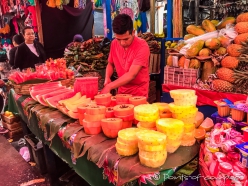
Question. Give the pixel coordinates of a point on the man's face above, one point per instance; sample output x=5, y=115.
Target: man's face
x=125, y=40
x=29, y=35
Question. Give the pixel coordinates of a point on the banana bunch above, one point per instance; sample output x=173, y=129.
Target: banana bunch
x=159, y=35
x=169, y=44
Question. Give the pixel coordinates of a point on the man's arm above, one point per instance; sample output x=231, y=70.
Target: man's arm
x=123, y=80
x=108, y=74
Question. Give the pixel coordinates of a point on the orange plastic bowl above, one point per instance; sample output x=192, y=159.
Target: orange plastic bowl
x=110, y=133
x=92, y=130
x=127, y=124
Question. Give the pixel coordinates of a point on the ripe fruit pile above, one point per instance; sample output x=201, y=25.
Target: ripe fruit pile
x=152, y=148
x=223, y=54
x=184, y=109
x=50, y=70
x=233, y=75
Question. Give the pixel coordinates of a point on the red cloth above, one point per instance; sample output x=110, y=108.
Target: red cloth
x=136, y=54
x=206, y=97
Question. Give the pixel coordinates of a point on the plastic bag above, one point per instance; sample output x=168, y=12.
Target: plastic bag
x=203, y=37
x=228, y=34
x=184, y=49
x=24, y=152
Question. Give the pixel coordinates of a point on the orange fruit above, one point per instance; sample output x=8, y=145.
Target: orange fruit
x=200, y=134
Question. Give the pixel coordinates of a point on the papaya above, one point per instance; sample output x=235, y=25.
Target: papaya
x=212, y=44
x=215, y=22
x=224, y=22
x=181, y=61
x=192, y=29
x=179, y=46
x=188, y=36
x=194, y=63
x=195, y=48
x=205, y=52
x=221, y=51
x=170, y=61
x=207, y=70
x=208, y=26
x=224, y=41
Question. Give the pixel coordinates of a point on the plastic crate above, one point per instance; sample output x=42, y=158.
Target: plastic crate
x=180, y=76
x=36, y=152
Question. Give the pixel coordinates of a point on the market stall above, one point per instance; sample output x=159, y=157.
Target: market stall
x=46, y=123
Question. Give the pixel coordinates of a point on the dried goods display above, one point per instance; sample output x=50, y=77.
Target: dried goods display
x=90, y=55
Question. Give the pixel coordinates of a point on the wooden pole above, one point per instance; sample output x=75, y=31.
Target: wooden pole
x=39, y=23
x=177, y=18
x=152, y=16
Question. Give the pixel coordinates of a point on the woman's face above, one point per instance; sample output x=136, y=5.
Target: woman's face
x=29, y=36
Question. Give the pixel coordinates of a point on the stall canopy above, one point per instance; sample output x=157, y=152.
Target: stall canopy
x=59, y=26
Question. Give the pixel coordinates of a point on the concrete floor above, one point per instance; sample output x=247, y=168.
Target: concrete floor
x=14, y=170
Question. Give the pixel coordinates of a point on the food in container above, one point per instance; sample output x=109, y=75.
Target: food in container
x=243, y=148
x=223, y=108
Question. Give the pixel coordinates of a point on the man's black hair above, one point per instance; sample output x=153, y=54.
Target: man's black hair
x=122, y=23
x=18, y=39
x=25, y=28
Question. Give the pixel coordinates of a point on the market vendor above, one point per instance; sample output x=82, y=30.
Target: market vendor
x=129, y=55
x=30, y=52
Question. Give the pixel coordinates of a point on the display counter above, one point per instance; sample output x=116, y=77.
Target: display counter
x=94, y=158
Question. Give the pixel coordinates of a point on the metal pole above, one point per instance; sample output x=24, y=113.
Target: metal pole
x=169, y=18
x=196, y=12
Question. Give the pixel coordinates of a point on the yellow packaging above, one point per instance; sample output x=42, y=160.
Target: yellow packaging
x=153, y=155
x=126, y=151
x=152, y=148
x=150, y=137
x=179, y=109
x=189, y=128
x=147, y=118
x=153, y=162
x=173, y=144
x=146, y=110
x=189, y=101
x=124, y=145
x=173, y=128
x=128, y=135
x=181, y=93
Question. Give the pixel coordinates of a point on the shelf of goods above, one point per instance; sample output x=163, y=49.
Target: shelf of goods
x=212, y=57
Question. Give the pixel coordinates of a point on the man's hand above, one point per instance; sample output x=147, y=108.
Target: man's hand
x=106, y=89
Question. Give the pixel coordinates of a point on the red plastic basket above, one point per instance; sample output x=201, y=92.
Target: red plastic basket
x=203, y=169
x=87, y=86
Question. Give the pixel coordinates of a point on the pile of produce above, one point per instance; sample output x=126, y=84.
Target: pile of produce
x=219, y=49
x=51, y=70
x=224, y=156
x=152, y=43
x=90, y=55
